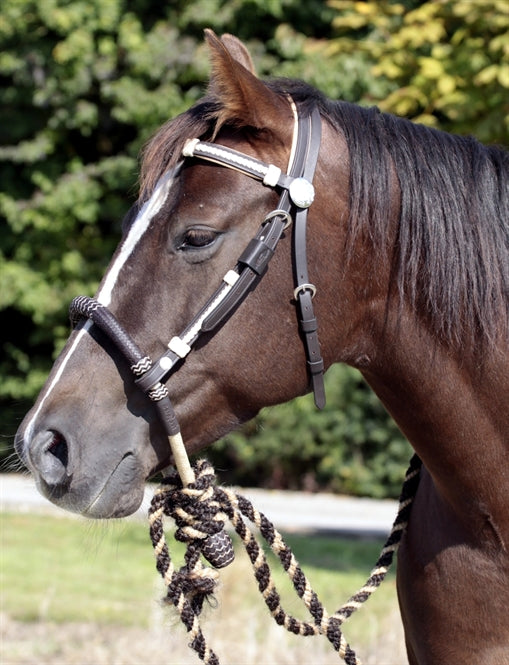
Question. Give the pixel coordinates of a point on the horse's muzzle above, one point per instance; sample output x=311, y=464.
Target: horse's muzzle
x=100, y=489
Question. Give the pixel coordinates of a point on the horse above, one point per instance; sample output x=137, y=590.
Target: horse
x=408, y=252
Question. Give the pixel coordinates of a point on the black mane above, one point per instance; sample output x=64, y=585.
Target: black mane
x=451, y=252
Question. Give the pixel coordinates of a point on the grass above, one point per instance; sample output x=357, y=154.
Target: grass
x=64, y=572
x=62, y=569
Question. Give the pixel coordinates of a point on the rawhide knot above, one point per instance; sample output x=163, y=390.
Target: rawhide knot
x=199, y=515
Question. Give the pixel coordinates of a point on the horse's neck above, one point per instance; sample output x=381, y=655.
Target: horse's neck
x=456, y=416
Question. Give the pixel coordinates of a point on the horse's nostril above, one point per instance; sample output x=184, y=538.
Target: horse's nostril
x=49, y=457
x=58, y=448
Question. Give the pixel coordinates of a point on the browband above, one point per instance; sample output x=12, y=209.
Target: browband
x=297, y=194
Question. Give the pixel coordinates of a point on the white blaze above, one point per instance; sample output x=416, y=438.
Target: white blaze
x=104, y=295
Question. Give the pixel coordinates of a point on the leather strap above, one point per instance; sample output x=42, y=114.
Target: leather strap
x=296, y=196
x=304, y=290
x=217, y=309
x=254, y=260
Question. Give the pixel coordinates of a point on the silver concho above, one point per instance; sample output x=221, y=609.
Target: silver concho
x=302, y=192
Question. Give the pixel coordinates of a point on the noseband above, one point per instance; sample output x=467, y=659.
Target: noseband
x=297, y=194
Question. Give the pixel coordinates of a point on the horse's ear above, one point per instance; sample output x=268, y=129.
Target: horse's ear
x=236, y=49
x=243, y=98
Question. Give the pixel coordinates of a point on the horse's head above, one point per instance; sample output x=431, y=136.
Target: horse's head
x=93, y=437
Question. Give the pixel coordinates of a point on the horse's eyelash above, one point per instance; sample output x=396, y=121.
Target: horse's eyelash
x=197, y=238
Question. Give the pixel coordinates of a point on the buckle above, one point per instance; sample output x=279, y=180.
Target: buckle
x=304, y=287
x=279, y=213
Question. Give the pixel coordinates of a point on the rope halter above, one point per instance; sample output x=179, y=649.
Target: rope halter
x=188, y=587
x=296, y=195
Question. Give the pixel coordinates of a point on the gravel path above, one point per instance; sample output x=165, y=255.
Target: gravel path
x=290, y=511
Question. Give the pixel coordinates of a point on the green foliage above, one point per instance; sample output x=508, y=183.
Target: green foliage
x=73, y=75
x=85, y=83
x=447, y=61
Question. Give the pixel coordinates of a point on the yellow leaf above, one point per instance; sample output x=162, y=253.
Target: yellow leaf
x=351, y=22
x=446, y=84
x=405, y=101
x=500, y=43
x=441, y=51
x=423, y=14
x=422, y=34
x=387, y=68
x=487, y=75
x=503, y=75
x=431, y=68
x=426, y=119
x=366, y=8
x=452, y=104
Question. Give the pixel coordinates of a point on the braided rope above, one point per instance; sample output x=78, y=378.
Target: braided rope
x=201, y=509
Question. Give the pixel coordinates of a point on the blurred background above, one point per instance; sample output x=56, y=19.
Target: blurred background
x=84, y=84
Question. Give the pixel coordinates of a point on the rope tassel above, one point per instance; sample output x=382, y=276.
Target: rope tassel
x=201, y=509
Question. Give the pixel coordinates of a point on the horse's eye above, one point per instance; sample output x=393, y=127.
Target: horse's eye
x=198, y=238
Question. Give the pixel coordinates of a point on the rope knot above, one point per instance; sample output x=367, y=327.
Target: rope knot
x=195, y=584
x=200, y=509
x=198, y=514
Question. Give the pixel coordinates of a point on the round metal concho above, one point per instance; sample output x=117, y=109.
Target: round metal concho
x=302, y=192
x=165, y=363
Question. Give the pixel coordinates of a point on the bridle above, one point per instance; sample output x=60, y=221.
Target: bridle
x=199, y=509
x=297, y=194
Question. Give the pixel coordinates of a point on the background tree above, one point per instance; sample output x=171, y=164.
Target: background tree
x=85, y=83
x=447, y=61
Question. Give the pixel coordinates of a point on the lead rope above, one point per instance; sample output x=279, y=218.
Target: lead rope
x=201, y=508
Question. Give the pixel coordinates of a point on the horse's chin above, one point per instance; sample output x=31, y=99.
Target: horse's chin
x=119, y=495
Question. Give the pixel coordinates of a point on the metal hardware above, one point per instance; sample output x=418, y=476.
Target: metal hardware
x=304, y=287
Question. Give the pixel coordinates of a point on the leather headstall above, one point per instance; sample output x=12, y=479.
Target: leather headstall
x=297, y=194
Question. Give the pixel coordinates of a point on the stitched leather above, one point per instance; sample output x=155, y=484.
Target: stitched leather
x=251, y=266
x=307, y=320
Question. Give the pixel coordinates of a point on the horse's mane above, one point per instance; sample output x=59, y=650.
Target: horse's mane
x=451, y=251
